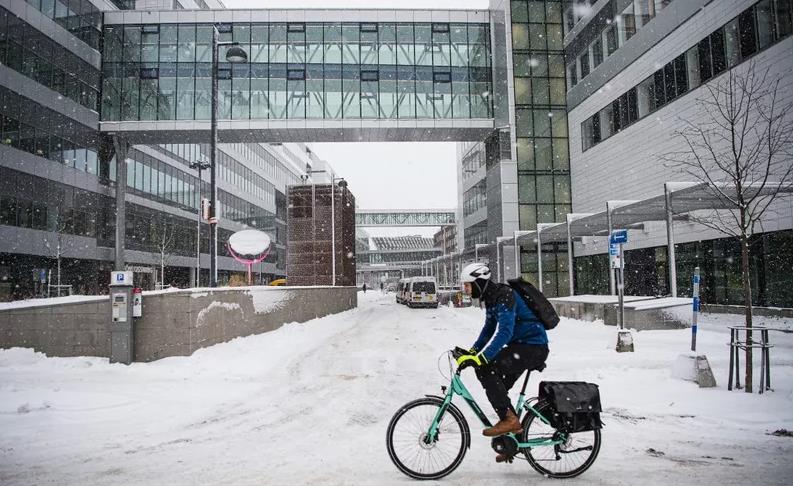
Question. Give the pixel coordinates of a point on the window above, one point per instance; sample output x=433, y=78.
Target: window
x=645, y=97
x=703, y=55
x=748, y=39
x=718, y=56
x=627, y=24
x=597, y=52
x=584, y=63
x=645, y=11
x=765, y=24
x=572, y=79
x=611, y=39
x=784, y=18
x=732, y=45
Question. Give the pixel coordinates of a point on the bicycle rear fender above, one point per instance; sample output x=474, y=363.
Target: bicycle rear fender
x=453, y=407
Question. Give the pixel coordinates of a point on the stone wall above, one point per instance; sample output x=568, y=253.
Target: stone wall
x=173, y=324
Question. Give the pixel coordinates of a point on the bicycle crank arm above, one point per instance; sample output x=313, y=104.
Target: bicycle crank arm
x=587, y=448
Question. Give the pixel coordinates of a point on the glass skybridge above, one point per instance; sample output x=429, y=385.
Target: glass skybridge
x=341, y=74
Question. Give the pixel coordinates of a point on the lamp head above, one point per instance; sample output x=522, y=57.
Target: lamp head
x=236, y=54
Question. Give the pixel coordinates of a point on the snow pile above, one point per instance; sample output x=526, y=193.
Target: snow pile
x=69, y=299
x=269, y=299
x=308, y=404
x=214, y=305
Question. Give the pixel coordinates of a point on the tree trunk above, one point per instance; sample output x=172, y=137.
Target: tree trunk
x=162, y=269
x=747, y=298
x=59, y=269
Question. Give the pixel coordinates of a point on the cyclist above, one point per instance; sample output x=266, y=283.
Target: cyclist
x=512, y=341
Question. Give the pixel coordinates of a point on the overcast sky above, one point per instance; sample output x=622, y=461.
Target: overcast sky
x=388, y=175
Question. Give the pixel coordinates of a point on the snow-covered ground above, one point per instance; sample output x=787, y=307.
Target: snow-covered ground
x=309, y=404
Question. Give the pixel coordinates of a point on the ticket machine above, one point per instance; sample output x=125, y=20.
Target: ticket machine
x=122, y=339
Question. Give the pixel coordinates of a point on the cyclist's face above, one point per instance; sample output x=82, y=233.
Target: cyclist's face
x=467, y=288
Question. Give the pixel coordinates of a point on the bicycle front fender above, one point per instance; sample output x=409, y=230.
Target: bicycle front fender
x=452, y=408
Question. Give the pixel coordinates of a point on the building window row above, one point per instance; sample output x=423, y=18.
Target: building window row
x=475, y=198
x=324, y=71
x=476, y=234
x=32, y=128
x=80, y=17
x=537, y=32
x=575, y=11
x=636, y=15
x=473, y=160
x=539, y=79
x=754, y=30
x=32, y=54
x=533, y=213
x=30, y=202
x=408, y=44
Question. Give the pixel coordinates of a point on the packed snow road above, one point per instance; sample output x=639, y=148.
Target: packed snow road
x=309, y=404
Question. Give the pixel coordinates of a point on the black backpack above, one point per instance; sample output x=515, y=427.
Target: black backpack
x=536, y=301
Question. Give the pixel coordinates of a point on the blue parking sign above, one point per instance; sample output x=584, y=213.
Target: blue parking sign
x=618, y=236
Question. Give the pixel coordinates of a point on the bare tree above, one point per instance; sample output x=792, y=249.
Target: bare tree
x=163, y=234
x=55, y=240
x=740, y=144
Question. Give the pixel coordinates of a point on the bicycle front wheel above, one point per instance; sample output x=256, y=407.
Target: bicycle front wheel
x=565, y=460
x=418, y=456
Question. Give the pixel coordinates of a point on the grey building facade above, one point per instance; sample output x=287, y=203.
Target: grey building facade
x=635, y=72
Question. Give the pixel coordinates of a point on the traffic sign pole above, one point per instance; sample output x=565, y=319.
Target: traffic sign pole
x=696, y=303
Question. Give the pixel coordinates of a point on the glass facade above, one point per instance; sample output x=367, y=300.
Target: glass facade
x=719, y=260
x=541, y=129
x=33, y=54
x=754, y=30
x=635, y=15
x=299, y=71
x=32, y=128
x=80, y=17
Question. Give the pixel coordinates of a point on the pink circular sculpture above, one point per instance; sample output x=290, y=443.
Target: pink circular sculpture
x=249, y=247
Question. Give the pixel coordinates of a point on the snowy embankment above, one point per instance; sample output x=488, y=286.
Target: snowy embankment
x=309, y=404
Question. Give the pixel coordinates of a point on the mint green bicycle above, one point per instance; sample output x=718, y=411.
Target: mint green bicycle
x=428, y=438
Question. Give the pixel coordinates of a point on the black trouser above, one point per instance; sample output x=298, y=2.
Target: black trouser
x=498, y=376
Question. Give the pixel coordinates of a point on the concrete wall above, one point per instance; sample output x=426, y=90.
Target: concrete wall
x=173, y=323
x=641, y=313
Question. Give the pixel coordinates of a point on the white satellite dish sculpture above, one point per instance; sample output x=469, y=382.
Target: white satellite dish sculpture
x=249, y=247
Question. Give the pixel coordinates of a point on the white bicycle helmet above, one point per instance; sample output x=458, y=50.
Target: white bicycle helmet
x=474, y=271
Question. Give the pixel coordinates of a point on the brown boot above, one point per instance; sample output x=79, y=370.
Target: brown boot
x=503, y=458
x=508, y=424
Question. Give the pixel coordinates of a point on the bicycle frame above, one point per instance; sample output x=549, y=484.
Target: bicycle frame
x=458, y=388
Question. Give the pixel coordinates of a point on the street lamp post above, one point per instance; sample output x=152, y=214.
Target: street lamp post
x=499, y=257
x=342, y=184
x=515, y=235
x=199, y=165
x=476, y=250
x=234, y=54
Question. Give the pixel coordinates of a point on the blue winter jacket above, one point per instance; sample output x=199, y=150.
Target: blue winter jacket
x=510, y=319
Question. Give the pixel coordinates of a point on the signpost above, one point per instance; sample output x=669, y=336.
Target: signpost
x=695, y=309
x=616, y=239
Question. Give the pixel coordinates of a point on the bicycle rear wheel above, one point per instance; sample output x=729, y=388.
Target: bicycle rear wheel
x=408, y=448
x=566, y=460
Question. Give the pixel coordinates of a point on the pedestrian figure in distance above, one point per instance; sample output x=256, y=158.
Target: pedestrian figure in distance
x=381, y=287
x=364, y=288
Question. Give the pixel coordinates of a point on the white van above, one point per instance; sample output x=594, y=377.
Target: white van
x=422, y=292
x=402, y=286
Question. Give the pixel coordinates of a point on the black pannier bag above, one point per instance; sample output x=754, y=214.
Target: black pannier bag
x=536, y=301
x=574, y=405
